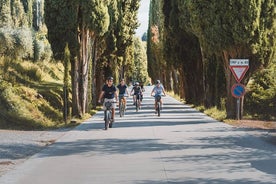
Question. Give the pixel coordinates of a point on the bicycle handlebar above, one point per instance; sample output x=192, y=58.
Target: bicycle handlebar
x=158, y=95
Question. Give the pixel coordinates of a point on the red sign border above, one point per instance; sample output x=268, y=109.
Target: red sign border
x=232, y=90
x=234, y=73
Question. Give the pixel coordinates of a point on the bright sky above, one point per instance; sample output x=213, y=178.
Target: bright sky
x=143, y=17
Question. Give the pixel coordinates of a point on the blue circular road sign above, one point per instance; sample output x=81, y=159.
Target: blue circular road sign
x=238, y=90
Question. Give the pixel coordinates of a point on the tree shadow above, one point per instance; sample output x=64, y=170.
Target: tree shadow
x=235, y=160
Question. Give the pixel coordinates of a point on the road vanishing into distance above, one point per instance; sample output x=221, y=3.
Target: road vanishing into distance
x=182, y=146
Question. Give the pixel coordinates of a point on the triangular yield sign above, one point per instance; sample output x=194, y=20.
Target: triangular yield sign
x=239, y=71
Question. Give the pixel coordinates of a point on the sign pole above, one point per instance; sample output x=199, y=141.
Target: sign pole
x=238, y=108
x=238, y=67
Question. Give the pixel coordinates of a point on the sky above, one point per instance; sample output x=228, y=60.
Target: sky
x=143, y=17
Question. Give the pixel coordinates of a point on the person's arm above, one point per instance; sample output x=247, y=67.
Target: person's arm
x=100, y=97
x=116, y=95
x=152, y=92
x=132, y=90
x=127, y=91
x=163, y=91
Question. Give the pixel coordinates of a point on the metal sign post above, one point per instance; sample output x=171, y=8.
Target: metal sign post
x=238, y=91
x=238, y=67
x=238, y=108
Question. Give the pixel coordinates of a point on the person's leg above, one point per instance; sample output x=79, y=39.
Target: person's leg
x=113, y=114
x=124, y=101
x=120, y=99
x=139, y=101
x=134, y=96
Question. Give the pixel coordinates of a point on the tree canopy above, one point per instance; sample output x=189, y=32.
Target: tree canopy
x=202, y=36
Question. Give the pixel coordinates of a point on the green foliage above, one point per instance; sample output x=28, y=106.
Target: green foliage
x=21, y=72
x=199, y=37
x=20, y=108
x=215, y=113
x=17, y=31
x=260, y=100
x=140, y=62
x=220, y=25
x=95, y=15
x=42, y=48
x=30, y=98
x=5, y=15
x=155, y=41
x=16, y=43
x=19, y=17
x=66, y=82
x=61, y=18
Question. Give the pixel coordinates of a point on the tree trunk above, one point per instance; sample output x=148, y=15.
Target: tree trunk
x=182, y=84
x=84, y=70
x=175, y=81
x=94, y=67
x=76, y=108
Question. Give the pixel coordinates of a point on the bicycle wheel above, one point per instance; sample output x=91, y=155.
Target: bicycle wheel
x=106, y=119
x=137, y=105
x=121, y=108
x=158, y=108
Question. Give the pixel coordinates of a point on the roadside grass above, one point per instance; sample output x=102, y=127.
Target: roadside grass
x=213, y=112
x=31, y=95
x=248, y=121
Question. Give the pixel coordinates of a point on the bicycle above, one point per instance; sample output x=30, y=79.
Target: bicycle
x=158, y=105
x=108, y=123
x=137, y=102
x=122, y=105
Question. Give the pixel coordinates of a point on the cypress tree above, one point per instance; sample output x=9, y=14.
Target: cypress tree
x=78, y=23
x=234, y=29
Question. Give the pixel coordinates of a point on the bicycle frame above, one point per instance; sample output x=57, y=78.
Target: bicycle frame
x=137, y=102
x=122, y=105
x=107, y=115
x=158, y=99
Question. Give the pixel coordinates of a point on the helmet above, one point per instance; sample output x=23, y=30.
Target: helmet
x=136, y=83
x=158, y=82
x=110, y=78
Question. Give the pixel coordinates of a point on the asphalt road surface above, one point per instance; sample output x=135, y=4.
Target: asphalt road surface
x=182, y=146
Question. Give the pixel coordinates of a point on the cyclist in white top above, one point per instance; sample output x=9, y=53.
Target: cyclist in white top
x=158, y=90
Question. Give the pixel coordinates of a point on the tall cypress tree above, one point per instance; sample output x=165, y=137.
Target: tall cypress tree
x=127, y=24
x=235, y=29
x=76, y=23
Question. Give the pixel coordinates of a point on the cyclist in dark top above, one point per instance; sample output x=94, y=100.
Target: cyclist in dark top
x=137, y=93
x=109, y=93
x=123, y=91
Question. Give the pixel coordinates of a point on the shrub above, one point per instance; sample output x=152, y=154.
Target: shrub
x=260, y=100
x=16, y=43
x=42, y=49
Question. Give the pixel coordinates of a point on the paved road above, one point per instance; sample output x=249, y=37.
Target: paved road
x=183, y=146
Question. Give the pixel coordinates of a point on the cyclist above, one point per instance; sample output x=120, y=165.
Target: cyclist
x=158, y=90
x=122, y=91
x=109, y=93
x=137, y=92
